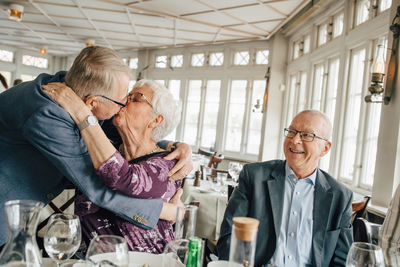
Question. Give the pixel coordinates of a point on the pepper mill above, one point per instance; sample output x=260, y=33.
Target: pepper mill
x=197, y=176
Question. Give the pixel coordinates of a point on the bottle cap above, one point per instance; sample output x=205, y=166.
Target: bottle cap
x=245, y=228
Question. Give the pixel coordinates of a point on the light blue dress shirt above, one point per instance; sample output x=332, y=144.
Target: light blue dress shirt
x=293, y=246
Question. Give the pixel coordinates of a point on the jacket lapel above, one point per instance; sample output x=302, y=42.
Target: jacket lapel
x=276, y=188
x=322, y=207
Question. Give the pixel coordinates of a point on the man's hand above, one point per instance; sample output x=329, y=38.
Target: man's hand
x=183, y=153
x=169, y=209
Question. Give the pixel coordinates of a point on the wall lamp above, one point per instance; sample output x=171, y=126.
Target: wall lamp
x=378, y=93
x=15, y=12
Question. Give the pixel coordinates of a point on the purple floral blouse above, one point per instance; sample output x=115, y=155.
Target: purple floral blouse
x=143, y=177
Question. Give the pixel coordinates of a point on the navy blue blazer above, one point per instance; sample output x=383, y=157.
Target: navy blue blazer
x=260, y=195
x=41, y=152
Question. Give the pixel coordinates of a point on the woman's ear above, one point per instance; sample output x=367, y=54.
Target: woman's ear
x=156, y=121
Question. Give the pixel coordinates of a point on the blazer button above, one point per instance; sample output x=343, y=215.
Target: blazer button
x=50, y=196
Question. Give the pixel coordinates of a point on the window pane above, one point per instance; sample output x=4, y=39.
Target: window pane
x=302, y=98
x=237, y=103
x=322, y=34
x=174, y=87
x=160, y=82
x=216, y=59
x=6, y=56
x=353, y=104
x=192, y=112
x=242, y=58
x=161, y=62
x=209, y=131
x=338, y=25
x=26, y=77
x=362, y=11
x=177, y=61
x=197, y=60
x=254, y=134
x=133, y=63
x=292, y=93
x=7, y=75
x=318, y=86
x=384, y=4
x=306, y=48
x=262, y=57
x=38, y=62
x=296, y=50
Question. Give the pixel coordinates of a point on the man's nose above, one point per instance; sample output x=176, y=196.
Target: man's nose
x=297, y=138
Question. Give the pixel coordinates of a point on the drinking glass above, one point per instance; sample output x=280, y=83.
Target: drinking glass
x=365, y=254
x=62, y=237
x=108, y=250
x=185, y=224
x=234, y=169
x=175, y=252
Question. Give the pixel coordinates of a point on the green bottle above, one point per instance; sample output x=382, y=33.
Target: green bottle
x=195, y=254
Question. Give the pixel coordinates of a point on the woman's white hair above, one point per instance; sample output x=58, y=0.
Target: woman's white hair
x=163, y=103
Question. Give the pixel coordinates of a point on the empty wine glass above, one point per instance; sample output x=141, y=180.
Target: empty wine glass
x=108, y=250
x=62, y=237
x=365, y=254
x=176, y=252
x=234, y=169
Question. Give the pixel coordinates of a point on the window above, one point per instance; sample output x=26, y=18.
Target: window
x=236, y=111
x=161, y=62
x=161, y=82
x=6, y=56
x=27, y=77
x=254, y=132
x=354, y=96
x=133, y=63
x=210, y=111
x=193, y=112
x=177, y=61
x=338, y=25
x=175, y=88
x=307, y=42
x=7, y=75
x=292, y=94
x=362, y=11
x=38, y=62
x=198, y=60
x=384, y=4
x=296, y=50
x=242, y=58
x=262, y=57
x=318, y=86
x=216, y=59
x=302, y=99
x=322, y=34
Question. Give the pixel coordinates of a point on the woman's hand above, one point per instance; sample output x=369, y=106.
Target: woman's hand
x=67, y=99
x=183, y=153
x=169, y=209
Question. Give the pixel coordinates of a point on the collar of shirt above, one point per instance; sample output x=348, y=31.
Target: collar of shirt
x=289, y=174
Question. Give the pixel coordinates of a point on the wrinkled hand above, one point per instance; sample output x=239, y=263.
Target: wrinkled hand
x=171, y=207
x=183, y=153
x=65, y=97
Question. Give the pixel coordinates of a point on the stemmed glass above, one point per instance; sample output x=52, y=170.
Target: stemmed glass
x=62, y=237
x=234, y=169
x=365, y=254
x=108, y=250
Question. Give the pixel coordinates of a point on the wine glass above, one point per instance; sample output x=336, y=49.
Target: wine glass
x=108, y=250
x=62, y=237
x=175, y=252
x=365, y=254
x=234, y=169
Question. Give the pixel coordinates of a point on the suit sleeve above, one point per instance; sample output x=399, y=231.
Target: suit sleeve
x=238, y=205
x=345, y=238
x=55, y=135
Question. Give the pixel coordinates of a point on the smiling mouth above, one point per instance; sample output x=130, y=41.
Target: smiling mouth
x=296, y=152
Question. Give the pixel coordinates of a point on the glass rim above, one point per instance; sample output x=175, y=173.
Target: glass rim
x=65, y=215
x=189, y=207
x=366, y=246
x=25, y=202
x=100, y=237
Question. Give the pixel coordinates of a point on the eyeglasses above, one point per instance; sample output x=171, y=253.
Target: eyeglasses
x=109, y=99
x=138, y=97
x=306, y=137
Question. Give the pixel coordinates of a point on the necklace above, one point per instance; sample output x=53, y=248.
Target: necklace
x=155, y=150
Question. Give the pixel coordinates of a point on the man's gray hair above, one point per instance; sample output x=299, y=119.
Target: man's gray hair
x=163, y=103
x=327, y=125
x=96, y=71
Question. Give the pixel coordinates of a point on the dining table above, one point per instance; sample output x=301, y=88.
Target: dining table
x=212, y=200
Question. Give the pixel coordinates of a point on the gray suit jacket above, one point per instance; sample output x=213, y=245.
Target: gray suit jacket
x=41, y=152
x=260, y=195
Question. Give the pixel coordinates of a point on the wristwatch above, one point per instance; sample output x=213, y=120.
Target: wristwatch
x=90, y=120
x=173, y=147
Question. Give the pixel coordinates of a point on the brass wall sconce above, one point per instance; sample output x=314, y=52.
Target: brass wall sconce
x=15, y=12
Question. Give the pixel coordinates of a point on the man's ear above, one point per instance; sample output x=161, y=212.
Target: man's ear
x=156, y=121
x=91, y=102
x=327, y=147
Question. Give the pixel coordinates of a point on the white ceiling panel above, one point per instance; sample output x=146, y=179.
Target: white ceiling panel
x=229, y=4
x=255, y=13
x=215, y=18
x=173, y=6
x=286, y=6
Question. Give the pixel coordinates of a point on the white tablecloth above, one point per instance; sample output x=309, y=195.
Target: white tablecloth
x=211, y=210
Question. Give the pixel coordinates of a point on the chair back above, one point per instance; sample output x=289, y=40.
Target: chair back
x=365, y=231
x=360, y=208
x=215, y=160
x=205, y=152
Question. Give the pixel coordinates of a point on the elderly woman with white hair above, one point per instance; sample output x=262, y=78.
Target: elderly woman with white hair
x=138, y=169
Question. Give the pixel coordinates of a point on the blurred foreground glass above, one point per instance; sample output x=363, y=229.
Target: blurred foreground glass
x=185, y=224
x=62, y=237
x=365, y=254
x=223, y=264
x=21, y=248
x=176, y=253
x=108, y=251
x=234, y=169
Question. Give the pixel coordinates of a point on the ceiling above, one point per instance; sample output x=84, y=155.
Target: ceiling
x=65, y=25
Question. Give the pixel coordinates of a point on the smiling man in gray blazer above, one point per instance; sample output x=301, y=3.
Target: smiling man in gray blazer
x=304, y=213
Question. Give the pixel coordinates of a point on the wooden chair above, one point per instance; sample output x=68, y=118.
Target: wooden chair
x=215, y=160
x=365, y=231
x=360, y=208
x=205, y=152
